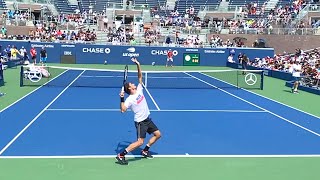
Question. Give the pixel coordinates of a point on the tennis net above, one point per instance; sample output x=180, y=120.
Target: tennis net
x=105, y=78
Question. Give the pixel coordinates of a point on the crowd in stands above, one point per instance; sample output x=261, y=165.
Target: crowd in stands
x=185, y=23
x=17, y=18
x=309, y=61
x=263, y=22
x=118, y=36
x=45, y=34
x=291, y=10
x=253, y=20
x=216, y=41
x=50, y=30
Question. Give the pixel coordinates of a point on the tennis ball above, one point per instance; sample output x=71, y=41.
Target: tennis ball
x=105, y=62
x=153, y=63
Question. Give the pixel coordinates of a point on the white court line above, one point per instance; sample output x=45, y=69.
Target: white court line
x=262, y=96
x=166, y=110
x=298, y=125
x=35, y=118
x=154, y=102
x=152, y=77
x=163, y=156
x=32, y=92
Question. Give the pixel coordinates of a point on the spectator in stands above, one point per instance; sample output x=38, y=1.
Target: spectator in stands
x=255, y=44
x=133, y=42
x=168, y=40
x=191, y=12
x=105, y=23
x=216, y=41
x=3, y=31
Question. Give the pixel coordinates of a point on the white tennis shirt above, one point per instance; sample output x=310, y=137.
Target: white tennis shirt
x=138, y=104
x=296, y=70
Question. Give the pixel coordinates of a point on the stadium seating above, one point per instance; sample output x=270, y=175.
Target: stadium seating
x=3, y=4
x=234, y=3
x=144, y=2
x=164, y=11
x=63, y=6
x=97, y=5
x=284, y=2
x=182, y=5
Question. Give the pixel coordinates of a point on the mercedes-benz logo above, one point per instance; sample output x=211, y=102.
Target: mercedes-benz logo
x=34, y=75
x=250, y=79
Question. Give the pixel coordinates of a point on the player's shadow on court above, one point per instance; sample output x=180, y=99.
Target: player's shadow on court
x=288, y=91
x=137, y=152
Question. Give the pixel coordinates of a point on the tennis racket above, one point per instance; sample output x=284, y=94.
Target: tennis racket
x=125, y=76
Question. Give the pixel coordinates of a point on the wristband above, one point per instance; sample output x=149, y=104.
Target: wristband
x=122, y=99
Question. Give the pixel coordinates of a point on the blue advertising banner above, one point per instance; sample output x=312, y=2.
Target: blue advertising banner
x=113, y=54
x=53, y=50
x=67, y=50
x=98, y=54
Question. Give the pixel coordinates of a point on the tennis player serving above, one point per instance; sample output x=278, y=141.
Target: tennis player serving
x=136, y=101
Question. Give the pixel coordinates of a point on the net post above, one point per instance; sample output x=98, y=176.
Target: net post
x=262, y=79
x=48, y=79
x=21, y=76
x=145, y=79
x=237, y=79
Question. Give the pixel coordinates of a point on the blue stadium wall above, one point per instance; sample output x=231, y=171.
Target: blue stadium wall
x=98, y=54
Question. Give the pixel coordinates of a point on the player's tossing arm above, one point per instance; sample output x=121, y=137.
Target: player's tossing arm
x=123, y=108
x=139, y=69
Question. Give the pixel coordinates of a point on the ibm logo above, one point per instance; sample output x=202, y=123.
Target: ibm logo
x=67, y=53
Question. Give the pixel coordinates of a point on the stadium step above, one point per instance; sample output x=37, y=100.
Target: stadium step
x=271, y=4
x=223, y=5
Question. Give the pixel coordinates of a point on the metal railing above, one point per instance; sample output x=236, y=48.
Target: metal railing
x=277, y=31
x=33, y=1
x=303, y=12
x=314, y=8
x=121, y=6
x=210, y=8
x=234, y=8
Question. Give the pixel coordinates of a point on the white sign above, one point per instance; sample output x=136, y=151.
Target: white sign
x=96, y=50
x=67, y=53
x=214, y=51
x=33, y=75
x=131, y=53
x=42, y=45
x=250, y=79
x=163, y=52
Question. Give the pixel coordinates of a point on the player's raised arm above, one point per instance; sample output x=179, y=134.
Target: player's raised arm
x=139, y=69
x=123, y=108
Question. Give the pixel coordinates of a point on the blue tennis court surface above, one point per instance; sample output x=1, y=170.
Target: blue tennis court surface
x=78, y=121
